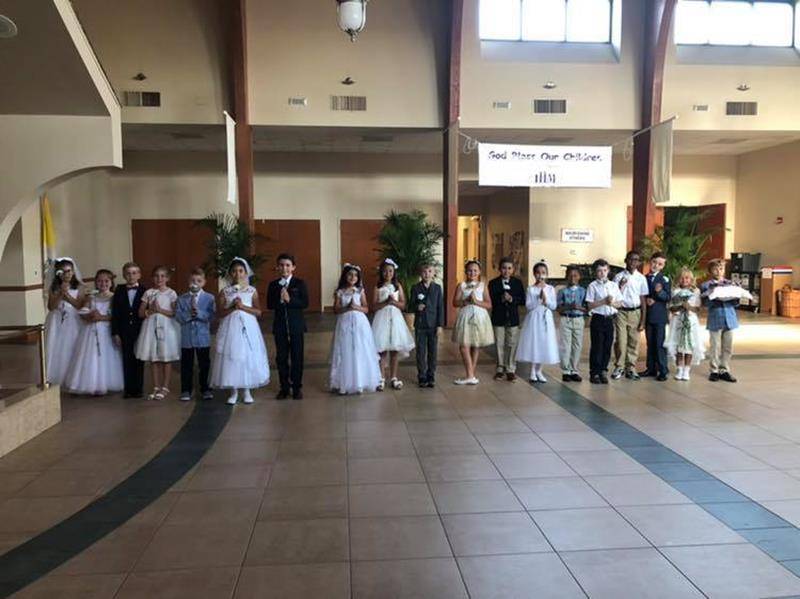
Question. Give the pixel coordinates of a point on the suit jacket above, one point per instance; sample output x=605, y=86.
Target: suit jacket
x=432, y=297
x=291, y=313
x=658, y=313
x=195, y=331
x=125, y=320
x=506, y=314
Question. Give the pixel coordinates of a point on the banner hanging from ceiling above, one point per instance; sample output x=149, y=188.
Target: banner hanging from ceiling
x=503, y=165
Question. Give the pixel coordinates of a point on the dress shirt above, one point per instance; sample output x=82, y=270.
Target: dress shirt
x=634, y=289
x=568, y=296
x=600, y=290
x=132, y=293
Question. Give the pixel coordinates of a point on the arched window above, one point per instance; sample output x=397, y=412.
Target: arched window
x=546, y=20
x=735, y=23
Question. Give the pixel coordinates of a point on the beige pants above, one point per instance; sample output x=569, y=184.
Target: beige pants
x=719, y=357
x=505, y=340
x=626, y=341
x=571, y=331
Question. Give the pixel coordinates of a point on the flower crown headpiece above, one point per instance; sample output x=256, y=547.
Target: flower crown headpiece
x=352, y=266
x=473, y=261
x=390, y=262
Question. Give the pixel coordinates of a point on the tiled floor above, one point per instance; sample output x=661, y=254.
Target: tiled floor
x=494, y=491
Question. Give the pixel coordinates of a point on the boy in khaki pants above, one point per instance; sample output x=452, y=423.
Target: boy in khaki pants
x=630, y=319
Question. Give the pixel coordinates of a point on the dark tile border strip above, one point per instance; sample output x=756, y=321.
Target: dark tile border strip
x=769, y=532
x=30, y=561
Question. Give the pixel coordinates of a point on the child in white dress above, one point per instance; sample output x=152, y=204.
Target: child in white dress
x=97, y=369
x=538, y=342
x=473, y=328
x=160, y=339
x=393, y=340
x=240, y=359
x=355, y=365
x=684, y=343
x=63, y=324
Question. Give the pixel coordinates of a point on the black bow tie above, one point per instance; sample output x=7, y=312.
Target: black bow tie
x=133, y=286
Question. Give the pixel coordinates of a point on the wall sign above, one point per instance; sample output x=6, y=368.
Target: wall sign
x=577, y=235
x=544, y=166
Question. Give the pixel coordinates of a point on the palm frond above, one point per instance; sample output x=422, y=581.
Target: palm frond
x=411, y=240
x=230, y=238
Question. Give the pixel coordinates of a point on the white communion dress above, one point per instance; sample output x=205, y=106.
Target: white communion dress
x=685, y=334
x=61, y=328
x=240, y=358
x=473, y=326
x=160, y=338
x=354, y=358
x=97, y=368
x=389, y=327
x=538, y=341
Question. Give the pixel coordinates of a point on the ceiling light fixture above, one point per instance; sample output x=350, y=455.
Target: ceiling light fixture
x=8, y=28
x=743, y=87
x=139, y=77
x=352, y=16
x=550, y=85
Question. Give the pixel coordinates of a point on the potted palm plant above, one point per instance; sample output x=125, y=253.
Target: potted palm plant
x=230, y=238
x=411, y=240
x=681, y=243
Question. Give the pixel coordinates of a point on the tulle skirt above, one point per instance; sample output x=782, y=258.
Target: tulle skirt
x=97, y=368
x=240, y=358
x=391, y=332
x=354, y=357
x=473, y=327
x=538, y=341
x=61, y=335
x=159, y=340
x=685, y=336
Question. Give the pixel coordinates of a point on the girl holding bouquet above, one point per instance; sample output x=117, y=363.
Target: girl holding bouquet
x=684, y=343
x=97, y=369
x=538, y=343
x=240, y=360
x=473, y=328
x=392, y=337
x=160, y=340
x=61, y=328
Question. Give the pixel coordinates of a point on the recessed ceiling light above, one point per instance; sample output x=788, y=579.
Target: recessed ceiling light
x=7, y=27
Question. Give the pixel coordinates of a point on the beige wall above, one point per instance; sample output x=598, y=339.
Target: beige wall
x=178, y=44
x=296, y=49
x=599, y=96
x=21, y=266
x=769, y=187
x=93, y=212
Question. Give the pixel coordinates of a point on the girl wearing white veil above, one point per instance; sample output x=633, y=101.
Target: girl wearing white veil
x=240, y=358
x=66, y=295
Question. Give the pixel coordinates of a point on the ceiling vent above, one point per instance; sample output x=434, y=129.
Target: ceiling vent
x=550, y=106
x=700, y=107
x=145, y=99
x=298, y=101
x=554, y=141
x=349, y=103
x=501, y=105
x=741, y=108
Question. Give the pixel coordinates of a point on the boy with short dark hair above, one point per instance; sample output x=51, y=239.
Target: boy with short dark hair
x=602, y=299
x=507, y=295
x=126, y=325
x=426, y=302
x=194, y=312
x=287, y=296
x=570, y=304
x=659, y=295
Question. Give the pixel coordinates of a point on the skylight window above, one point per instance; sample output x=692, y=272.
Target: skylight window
x=546, y=20
x=735, y=23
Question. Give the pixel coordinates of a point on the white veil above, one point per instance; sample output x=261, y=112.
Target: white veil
x=52, y=271
x=247, y=268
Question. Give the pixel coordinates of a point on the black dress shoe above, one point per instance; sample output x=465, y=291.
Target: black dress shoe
x=603, y=379
x=594, y=379
x=727, y=376
x=661, y=377
x=713, y=377
x=567, y=378
x=282, y=394
x=646, y=373
x=576, y=378
x=431, y=384
x=297, y=394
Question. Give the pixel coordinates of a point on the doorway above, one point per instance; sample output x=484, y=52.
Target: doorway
x=471, y=241
x=359, y=245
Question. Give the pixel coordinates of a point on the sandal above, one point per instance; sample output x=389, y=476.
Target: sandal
x=152, y=396
x=396, y=384
x=381, y=386
x=161, y=394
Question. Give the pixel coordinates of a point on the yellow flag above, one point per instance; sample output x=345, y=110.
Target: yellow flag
x=48, y=231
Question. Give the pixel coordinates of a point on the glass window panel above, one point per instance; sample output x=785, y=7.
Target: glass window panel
x=692, y=22
x=499, y=19
x=730, y=23
x=544, y=20
x=771, y=24
x=588, y=21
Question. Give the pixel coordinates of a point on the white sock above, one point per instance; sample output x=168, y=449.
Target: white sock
x=686, y=370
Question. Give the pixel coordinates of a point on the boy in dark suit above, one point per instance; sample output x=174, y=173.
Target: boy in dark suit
x=507, y=295
x=660, y=293
x=426, y=301
x=125, y=327
x=288, y=297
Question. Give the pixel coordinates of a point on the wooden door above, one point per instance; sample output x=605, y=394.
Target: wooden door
x=179, y=244
x=359, y=243
x=301, y=238
x=712, y=221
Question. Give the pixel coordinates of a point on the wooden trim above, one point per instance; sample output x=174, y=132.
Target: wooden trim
x=658, y=21
x=21, y=288
x=450, y=159
x=241, y=108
